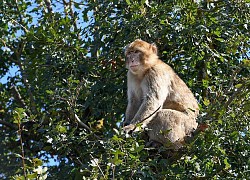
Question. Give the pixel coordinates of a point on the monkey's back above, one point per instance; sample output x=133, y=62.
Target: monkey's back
x=180, y=97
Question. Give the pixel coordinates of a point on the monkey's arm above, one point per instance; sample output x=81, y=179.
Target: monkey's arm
x=132, y=108
x=130, y=113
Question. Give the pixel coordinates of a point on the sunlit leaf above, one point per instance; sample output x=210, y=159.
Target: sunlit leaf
x=238, y=85
x=206, y=101
x=128, y=2
x=227, y=165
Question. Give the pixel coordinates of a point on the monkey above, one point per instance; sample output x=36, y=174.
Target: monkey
x=158, y=99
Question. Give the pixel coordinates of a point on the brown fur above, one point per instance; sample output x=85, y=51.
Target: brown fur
x=153, y=84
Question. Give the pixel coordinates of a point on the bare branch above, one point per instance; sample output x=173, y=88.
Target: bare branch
x=96, y=163
x=48, y=5
x=82, y=124
x=17, y=96
x=20, y=129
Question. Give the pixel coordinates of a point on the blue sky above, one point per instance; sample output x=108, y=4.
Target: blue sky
x=57, y=8
x=12, y=71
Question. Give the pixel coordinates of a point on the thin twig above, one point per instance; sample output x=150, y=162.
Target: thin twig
x=82, y=124
x=22, y=149
x=113, y=169
x=96, y=163
x=18, y=96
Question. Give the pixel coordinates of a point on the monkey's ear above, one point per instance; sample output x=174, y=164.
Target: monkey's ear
x=154, y=48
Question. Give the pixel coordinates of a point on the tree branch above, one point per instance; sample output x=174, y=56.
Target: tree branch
x=17, y=96
x=82, y=124
x=229, y=101
x=10, y=125
x=48, y=5
x=24, y=77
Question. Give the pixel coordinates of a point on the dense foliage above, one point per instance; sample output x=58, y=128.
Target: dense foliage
x=65, y=95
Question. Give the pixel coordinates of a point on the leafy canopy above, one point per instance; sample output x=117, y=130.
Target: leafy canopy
x=65, y=94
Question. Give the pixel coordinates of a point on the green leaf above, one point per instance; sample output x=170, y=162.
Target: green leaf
x=220, y=39
x=246, y=62
x=132, y=156
x=238, y=85
x=61, y=129
x=116, y=161
x=19, y=114
x=20, y=178
x=227, y=165
x=222, y=151
x=50, y=92
x=140, y=148
x=128, y=2
x=37, y=162
x=116, y=138
x=205, y=83
x=246, y=107
x=233, y=115
x=206, y=101
x=32, y=176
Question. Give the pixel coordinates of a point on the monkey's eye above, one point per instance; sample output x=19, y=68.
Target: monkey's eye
x=137, y=51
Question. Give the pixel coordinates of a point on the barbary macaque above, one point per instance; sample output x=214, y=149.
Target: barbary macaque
x=157, y=98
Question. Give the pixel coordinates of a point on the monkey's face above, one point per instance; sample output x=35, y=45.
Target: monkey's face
x=133, y=61
x=140, y=56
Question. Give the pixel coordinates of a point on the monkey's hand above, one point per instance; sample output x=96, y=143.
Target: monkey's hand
x=129, y=128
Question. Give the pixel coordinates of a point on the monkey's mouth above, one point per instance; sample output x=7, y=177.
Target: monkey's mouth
x=134, y=66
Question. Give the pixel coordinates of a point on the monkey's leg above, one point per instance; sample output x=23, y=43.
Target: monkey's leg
x=169, y=127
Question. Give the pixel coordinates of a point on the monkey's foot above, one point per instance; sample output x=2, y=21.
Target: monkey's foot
x=129, y=128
